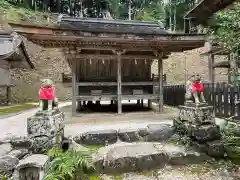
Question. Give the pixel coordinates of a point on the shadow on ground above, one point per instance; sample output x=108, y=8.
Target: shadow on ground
x=107, y=108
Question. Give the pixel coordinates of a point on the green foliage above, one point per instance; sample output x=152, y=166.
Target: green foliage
x=224, y=27
x=175, y=10
x=231, y=140
x=17, y=13
x=4, y=176
x=152, y=12
x=69, y=165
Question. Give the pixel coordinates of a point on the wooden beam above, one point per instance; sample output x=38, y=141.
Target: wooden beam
x=163, y=39
x=119, y=82
x=146, y=83
x=115, y=97
x=160, y=83
x=110, y=46
x=211, y=67
x=74, y=93
x=110, y=56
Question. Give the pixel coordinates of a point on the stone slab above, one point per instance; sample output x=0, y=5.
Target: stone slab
x=129, y=135
x=215, y=148
x=159, y=132
x=5, y=149
x=18, y=141
x=212, y=148
x=203, y=133
x=101, y=137
x=19, y=153
x=35, y=160
x=197, y=115
x=125, y=157
x=8, y=163
x=180, y=155
x=200, y=133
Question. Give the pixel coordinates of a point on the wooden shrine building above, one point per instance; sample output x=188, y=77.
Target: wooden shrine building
x=202, y=11
x=111, y=59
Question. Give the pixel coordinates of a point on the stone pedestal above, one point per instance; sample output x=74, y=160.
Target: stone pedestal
x=46, y=128
x=197, y=114
x=198, y=122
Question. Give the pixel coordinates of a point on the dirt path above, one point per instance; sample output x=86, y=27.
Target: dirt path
x=17, y=125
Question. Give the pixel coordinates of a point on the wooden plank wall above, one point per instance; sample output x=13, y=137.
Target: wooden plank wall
x=106, y=70
x=225, y=98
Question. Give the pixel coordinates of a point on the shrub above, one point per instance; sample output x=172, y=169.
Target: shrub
x=69, y=165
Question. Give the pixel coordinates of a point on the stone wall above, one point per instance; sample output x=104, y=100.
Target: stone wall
x=174, y=66
x=49, y=63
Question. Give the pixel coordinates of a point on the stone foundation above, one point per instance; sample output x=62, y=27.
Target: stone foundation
x=198, y=123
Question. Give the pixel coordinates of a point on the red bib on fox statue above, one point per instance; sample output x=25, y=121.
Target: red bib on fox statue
x=46, y=93
x=197, y=87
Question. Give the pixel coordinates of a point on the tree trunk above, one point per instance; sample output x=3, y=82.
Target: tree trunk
x=170, y=18
x=175, y=19
x=129, y=10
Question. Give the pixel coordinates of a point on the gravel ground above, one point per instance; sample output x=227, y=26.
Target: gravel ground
x=221, y=170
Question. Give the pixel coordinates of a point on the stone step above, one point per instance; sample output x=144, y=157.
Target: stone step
x=149, y=133
x=126, y=157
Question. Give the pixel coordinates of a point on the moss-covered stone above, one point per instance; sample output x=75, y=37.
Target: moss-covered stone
x=231, y=141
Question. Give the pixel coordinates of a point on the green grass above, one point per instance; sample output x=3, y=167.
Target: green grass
x=93, y=147
x=95, y=178
x=16, y=109
x=23, y=15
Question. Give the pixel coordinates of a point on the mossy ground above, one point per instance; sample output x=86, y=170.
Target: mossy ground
x=16, y=108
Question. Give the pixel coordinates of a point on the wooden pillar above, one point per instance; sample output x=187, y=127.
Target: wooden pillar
x=79, y=105
x=8, y=95
x=119, y=82
x=138, y=102
x=74, y=92
x=211, y=72
x=98, y=103
x=160, y=83
x=150, y=104
x=141, y=103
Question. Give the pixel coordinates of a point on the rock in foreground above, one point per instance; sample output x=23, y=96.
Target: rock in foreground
x=126, y=157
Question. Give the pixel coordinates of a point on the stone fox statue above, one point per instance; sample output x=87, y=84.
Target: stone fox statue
x=194, y=88
x=47, y=95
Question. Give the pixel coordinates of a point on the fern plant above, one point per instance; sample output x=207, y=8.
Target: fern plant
x=69, y=165
x=4, y=176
